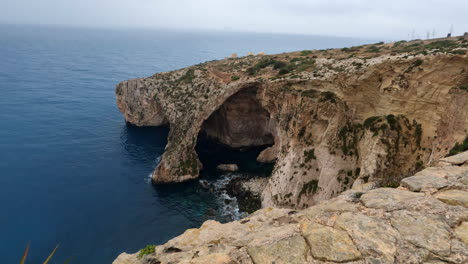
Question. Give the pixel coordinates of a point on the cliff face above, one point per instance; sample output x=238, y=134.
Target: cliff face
x=425, y=220
x=334, y=118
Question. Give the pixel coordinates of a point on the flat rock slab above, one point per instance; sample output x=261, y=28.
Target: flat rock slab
x=289, y=250
x=453, y=197
x=457, y=159
x=418, y=183
x=426, y=231
x=371, y=235
x=462, y=232
x=330, y=244
x=389, y=199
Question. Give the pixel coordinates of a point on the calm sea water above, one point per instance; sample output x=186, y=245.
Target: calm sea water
x=71, y=171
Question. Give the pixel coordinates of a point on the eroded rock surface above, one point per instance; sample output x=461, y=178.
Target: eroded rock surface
x=361, y=225
x=334, y=120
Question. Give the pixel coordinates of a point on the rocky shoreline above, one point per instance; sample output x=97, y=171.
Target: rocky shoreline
x=425, y=220
x=337, y=124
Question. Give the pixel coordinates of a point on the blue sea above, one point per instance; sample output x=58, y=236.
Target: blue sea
x=72, y=172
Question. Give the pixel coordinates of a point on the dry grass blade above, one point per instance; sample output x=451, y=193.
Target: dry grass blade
x=25, y=254
x=51, y=255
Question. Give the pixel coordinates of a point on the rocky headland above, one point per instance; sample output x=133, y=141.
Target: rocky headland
x=337, y=124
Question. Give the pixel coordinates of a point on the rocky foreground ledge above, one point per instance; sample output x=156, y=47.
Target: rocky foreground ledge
x=424, y=220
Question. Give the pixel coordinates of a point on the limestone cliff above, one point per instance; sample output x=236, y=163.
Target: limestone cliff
x=332, y=118
x=425, y=220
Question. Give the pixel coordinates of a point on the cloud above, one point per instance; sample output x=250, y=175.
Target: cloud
x=357, y=18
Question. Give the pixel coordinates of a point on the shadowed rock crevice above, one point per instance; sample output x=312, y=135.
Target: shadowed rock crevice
x=240, y=125
x=240, y=122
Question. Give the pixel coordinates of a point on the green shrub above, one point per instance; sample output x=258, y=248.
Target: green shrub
x=371, y=120
x=419, y=165
x=458, y=52
x=328, y=96
x=310, y=93
x=351, y=49
x=463, y=87
x=415, y=64
x=149, y=249
x=235, y=77
x=265, y=63
x=442, y=45
x=188, y=76
x=373, y=49
x=306, y=52
x=399, y=43
x=283, y=71
x=309, y=155
x=458, y=148
x=309, y=187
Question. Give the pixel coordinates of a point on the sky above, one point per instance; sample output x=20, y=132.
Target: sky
x=390, y=19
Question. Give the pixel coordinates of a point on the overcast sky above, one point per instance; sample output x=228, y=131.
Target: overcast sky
x=390, y=19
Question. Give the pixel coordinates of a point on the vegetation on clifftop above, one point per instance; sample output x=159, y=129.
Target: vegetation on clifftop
x=149, y=249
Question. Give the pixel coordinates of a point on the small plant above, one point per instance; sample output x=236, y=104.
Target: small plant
x=265, y=63
x=391, y=184
x=463, y=87
x=419, y=165
x=415, y=64
x=309, y=187
x=328, y=96
x=26, y=251
x=458, y=148
x=235, y=77
x=188, y=76
x=458, y=52
x=306, y=52
x=352, y=49
x=442, y=45
x=149, y=249
x=283, y=71
x=373, y=49
x=309, y=155
x=399, y=43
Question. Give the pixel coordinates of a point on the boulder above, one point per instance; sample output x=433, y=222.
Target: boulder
x=268, y=155
x=417, y=183
x=227, y=167
x=389, y=199
x=456, y=159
